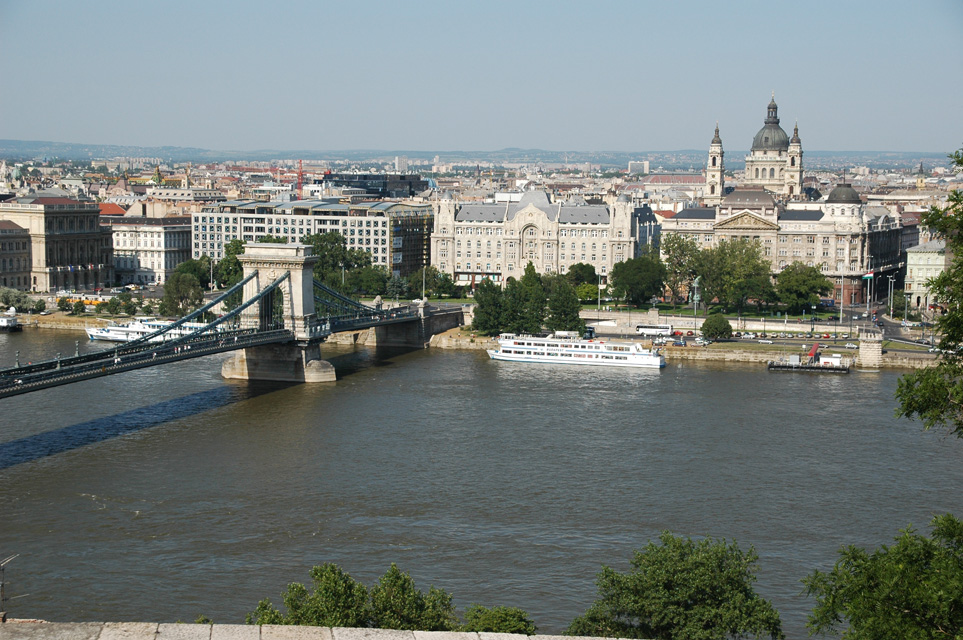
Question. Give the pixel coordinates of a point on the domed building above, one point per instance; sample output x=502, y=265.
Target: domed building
x=775, y=162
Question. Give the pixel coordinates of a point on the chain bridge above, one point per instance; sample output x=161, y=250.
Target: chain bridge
x=278, y=317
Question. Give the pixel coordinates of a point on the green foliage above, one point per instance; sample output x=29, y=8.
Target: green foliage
x=229, y=270
x=716, y=327
x=13, y=298
x=498, y=620
x=370, y=280
x=101, y=307
x=182, y=293
x=200, y=269
x=680, y=254
x=681, y=589
x=63, y=304
x=489, y=309
x=130, y=307
x=587, y=291
x=432, y=280
x=582, y=273
x=935, y=395
x=637, y=280
x=79, y=307
x=39, y=306
x=912, y=589
x=531, y=302
x=563, y=308
x=397, y=604
x=734, y=272
x=202, y=619
x=800, y=286
x=396, y=288
x=147, y=309
x=337, y=601
x=113, y=305
x=272, y=239
x=335, y=260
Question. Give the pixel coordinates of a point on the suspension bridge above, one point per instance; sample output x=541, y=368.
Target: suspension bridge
x=279, y=317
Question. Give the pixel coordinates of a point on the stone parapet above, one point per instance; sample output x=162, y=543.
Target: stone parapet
x=33, y=630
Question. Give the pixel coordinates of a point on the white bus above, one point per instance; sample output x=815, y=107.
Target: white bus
x=653, y=329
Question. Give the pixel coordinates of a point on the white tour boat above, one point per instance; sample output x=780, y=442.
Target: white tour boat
x=567, y=348
x=141, y=327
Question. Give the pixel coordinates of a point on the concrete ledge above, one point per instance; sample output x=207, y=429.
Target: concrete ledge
x=38, y=630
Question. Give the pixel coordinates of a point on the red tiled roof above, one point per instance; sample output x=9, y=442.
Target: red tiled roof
x=665, y=213
x=111, y=209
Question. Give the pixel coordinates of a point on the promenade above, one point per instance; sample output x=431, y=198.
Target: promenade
x=14, y=630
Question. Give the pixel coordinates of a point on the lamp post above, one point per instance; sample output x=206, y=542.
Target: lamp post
x=891, y=279
x=812, y=318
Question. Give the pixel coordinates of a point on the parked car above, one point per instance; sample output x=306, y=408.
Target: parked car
x=851, y=345
x=763, y=341
x=689, y=333
x=678, y=343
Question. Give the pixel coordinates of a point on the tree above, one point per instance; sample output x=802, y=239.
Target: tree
x=913, y=589
x=229, y=270
x=431, y=280
x=716, y=327
x=79, y=307
x=586, y=291
x=446, y=286
x=489, y=309
x=681, y=589
x=582, y=273
x=563, y=308
x=532, y=298
x=397, y=604
x=63, y=304
x=39, y=306
x=337, y=601
x=935, y=395
x=680, y=256
x=368, y=280
x=800, y=286
x=498, y=620
x=182, y=292
x=396, y=288
x=113, y=306
x=200, y=269
x=272, y=239
x=637, y=280
x=734, y=272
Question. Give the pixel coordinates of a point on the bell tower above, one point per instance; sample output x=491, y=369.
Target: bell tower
x=715, y=172
x=794, y=167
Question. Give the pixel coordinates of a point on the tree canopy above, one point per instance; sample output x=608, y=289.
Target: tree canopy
x=681, y=589
x=716, y=327
x=182, y=293
x=563, y=308
x=912, y=589
x=935, y=395
x=637, y=280
x=582, y=273
x=680, y=256
x=800, y=286
x=735, y=272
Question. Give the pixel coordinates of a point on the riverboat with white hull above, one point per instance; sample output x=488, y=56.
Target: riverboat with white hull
x=567, y=348
x=142, y=327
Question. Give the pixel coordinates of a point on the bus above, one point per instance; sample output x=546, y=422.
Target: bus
x=653, y=329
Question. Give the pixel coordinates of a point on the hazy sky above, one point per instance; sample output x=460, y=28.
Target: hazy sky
x=586, y=75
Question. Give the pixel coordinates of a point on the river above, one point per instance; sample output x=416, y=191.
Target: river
x=167, y=493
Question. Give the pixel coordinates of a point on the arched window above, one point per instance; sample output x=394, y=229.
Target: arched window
x=712, y=189
x=792, y=162
x=772, y=173
x=757, y=172
x=713, y=161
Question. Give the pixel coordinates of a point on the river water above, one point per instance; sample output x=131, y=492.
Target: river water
x=167, y=493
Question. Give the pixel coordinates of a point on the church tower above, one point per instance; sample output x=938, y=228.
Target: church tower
x=715, y=172
x=794, y=167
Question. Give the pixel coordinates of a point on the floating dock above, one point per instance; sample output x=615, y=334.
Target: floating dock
x=774, y=365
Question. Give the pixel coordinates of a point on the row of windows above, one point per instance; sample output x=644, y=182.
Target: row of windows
x=13, y=246
x=291, y=220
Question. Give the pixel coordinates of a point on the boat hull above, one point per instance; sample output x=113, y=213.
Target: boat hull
x=572, y=351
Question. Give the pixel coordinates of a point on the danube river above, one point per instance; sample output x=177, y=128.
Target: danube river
x=167, y=493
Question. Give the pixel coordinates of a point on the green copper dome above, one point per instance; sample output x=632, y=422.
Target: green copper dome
x=771, y=137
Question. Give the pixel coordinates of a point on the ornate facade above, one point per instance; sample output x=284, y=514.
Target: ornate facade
x=474, y=241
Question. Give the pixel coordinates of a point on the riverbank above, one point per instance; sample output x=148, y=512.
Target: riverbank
x=734, y=351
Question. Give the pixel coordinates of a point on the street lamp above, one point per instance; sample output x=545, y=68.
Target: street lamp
x=891, y=279
x=812, y=318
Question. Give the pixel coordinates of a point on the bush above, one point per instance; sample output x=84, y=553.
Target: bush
x=716, y=326
x=498, y=620
x=79, y=307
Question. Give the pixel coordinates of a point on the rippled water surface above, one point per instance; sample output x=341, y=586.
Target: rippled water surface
x=166, y=493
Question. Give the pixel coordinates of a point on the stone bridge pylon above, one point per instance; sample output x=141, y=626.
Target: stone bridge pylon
x=297, y=361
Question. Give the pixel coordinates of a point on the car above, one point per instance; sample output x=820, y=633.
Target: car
x=763, y=341
x=825, y=336
x=845, y=336
x=934, y=349
x=852, y=345
x=689, y=333
x=678, y=343
x=45, y=313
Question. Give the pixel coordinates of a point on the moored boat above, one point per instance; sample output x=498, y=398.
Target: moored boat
x=141, y=327
x=9, y=324
x=568, y=348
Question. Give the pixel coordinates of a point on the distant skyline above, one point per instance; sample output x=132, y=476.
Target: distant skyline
x=565, y=75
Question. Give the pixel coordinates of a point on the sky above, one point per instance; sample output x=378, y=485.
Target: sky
x=446, y=75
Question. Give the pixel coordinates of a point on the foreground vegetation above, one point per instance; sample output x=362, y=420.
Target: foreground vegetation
x=679, y=588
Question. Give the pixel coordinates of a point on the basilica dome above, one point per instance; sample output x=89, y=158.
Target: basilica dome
x=771, y=137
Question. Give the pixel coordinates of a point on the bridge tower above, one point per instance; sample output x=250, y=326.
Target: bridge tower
x=298, y=361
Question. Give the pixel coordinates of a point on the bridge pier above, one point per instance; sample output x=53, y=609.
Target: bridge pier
x=287, y=362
